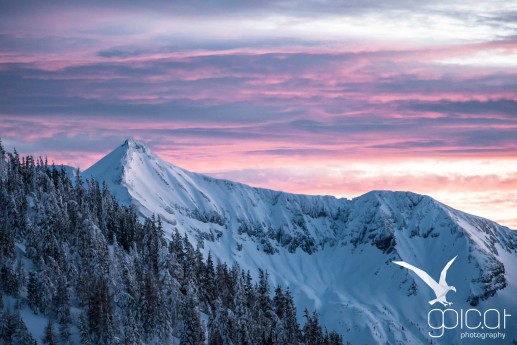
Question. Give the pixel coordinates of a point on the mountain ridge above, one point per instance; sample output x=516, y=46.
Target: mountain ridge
x=304, y=240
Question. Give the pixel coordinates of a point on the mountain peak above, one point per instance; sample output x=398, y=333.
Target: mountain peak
x=131, y=143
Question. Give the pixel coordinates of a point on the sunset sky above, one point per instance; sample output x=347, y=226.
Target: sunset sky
x=316, y=97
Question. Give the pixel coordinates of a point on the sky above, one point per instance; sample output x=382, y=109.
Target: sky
x=314, y=97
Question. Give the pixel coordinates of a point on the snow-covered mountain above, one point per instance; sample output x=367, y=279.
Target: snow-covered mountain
x=335, y=254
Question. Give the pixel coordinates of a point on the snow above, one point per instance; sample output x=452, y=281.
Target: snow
x=35, y=323
x=347, y=274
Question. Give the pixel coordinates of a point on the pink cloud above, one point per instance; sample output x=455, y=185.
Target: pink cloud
x=279, y=116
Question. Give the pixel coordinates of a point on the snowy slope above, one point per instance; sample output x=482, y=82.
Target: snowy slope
x=335, y=254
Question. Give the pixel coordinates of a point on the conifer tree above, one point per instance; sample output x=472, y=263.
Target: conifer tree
x=312, y=333
x=192, y=332
x=33, y=293
x=208, y=280
x=49, y=337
